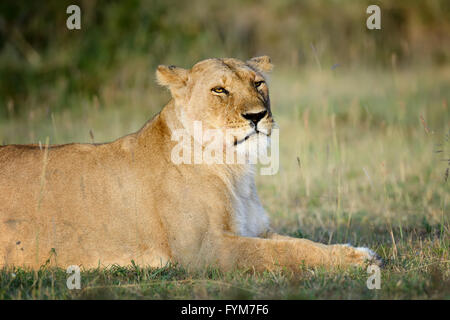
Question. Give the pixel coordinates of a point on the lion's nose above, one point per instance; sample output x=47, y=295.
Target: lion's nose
x=255, y=117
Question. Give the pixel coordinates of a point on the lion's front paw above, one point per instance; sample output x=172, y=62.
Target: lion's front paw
x=370, y=256
x=361, y=256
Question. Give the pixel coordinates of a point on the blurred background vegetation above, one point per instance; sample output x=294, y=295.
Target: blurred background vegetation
x=121, y=42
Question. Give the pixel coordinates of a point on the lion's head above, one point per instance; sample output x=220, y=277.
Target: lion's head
x=225, y=94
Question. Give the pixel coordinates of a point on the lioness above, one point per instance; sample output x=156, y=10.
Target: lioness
x=101, y=204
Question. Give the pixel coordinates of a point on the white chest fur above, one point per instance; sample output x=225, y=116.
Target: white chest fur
x=250, y=217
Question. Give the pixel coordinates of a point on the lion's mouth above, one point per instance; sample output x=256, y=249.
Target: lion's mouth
x=256, y=131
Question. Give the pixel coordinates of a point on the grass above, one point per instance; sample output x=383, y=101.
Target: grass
x=359, y=163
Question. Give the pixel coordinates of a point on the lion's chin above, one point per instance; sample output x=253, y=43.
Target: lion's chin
x=253, y=144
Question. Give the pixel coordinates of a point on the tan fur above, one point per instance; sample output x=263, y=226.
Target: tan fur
x=103, y=204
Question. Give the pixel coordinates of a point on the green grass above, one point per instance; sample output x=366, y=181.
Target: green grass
x=358, y=164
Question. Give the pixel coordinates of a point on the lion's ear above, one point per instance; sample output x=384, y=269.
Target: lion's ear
x=261, y=63
x=172, y=77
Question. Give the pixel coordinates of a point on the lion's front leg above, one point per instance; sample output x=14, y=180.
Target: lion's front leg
x=342, y=253
x=279, y=252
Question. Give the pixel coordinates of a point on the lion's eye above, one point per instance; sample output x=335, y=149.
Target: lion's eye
x=219, y=90
x=258, y=83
